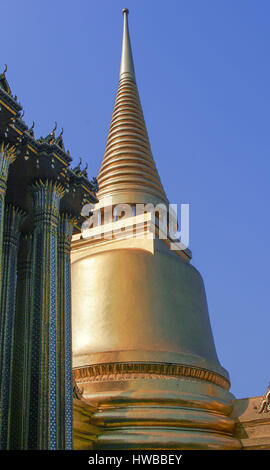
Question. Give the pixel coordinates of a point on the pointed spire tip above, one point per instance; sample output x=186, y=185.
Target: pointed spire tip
x=127, y=65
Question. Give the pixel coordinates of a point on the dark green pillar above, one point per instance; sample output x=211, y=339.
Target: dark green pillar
x=20, y=360
x=12, y=225
x=43, y=393
x=64, y=332
x=7, y=156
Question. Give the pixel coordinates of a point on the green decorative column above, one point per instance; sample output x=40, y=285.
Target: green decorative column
x=7, y=156
x=64, y=352
x=12, y=225
x=21, y=339
x=43, y=390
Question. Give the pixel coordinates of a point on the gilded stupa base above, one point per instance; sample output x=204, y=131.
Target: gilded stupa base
x=153, y=411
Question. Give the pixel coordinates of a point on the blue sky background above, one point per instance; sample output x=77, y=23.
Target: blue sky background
x=203, y=73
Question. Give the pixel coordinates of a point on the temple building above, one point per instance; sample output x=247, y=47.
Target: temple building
x=41, y=198
x=105, y=337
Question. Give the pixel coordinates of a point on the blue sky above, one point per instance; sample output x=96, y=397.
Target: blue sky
x=203, y=74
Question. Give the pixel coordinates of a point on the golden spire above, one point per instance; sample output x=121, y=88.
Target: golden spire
x=127, y=65
x=128, y=173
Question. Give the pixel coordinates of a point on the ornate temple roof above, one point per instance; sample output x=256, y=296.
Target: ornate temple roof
x=43, y=159
x=128, y=169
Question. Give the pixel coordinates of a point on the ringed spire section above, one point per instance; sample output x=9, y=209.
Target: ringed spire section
x=128, y=172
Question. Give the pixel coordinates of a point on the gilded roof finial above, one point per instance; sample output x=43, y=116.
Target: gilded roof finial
x=127, y=65
x=59, y=140
x=54, y=129
x=30, y=130
x=4, y=83
x=84, y=171
x=77, y=168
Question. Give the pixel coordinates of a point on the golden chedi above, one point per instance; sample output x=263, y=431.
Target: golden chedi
x=143, y=349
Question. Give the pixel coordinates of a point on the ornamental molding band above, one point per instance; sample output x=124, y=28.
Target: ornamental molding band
x=126, y=371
